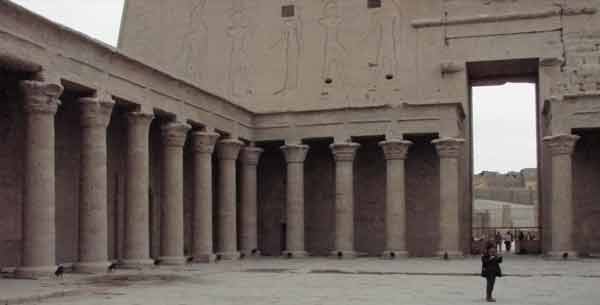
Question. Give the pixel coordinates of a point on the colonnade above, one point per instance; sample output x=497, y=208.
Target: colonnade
x=41, y=104
x=395, y=152
x=41, y=101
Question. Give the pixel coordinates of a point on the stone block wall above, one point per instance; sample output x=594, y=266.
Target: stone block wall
x=155, y=173
x=116, y=182
x=319, y=198
x=67, y=155
x=423, y=197
x=369, y=197
x=271, y=200
x=11, y=174
x=586, y=192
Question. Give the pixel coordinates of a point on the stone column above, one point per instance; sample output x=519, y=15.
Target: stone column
x=202, y=245
x=249, y=157
x=227, y=152
x=395, y=152
x=344, y=154
x=562, y=214
x=137, y=199
x=40, y=105
x=295, y=156
x=171, y=200
x=449, y=151
x=93, y=193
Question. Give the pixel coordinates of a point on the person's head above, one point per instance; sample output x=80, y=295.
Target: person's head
x=490, y=249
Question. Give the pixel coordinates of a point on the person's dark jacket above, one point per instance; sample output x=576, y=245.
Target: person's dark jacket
x=490, y=266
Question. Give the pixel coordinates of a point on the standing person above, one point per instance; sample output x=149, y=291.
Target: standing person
x=490, y=269
x=508, y=241
x=498, y=240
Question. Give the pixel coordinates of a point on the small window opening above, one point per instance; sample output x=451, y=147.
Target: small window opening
x=373, y=4
x=288, y=11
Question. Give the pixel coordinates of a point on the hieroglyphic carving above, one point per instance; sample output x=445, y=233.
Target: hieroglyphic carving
x=381, y=41
x=334, y=52
x=239, y=65
x=292, y=44
x=194, y=43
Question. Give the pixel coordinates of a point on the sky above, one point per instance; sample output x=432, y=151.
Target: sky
x=503, y=116
x=99, y=19
x=504, y=128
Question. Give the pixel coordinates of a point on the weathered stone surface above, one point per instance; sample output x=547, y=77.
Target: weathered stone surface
x=327, y=70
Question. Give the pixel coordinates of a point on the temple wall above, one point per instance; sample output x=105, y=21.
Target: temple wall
x=67, y=158
x=11, y=174
x=369, y=198
x=422, y=197
x=116, y=182
x=319, y=198
x=155, y=174
x=274, y=61
x=586, y=193
x=271, y=200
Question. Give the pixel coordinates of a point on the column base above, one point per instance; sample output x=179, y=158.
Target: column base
x=204, y=258
x=250, y=253
x=562, y=255
x=172, y=260
x=35, y=272
x=228, y=256
x=295, y=254
x=392, y=254
x=341, y=254
x=449, y=254
x=91, y=267
x=136, y=263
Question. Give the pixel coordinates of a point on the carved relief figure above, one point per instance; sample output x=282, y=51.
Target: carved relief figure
x=195, y=42
x=334, y=52
x=291, y=41
x=239, y=66
x=381, y=42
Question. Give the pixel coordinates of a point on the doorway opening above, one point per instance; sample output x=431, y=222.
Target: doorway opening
x=505, y=166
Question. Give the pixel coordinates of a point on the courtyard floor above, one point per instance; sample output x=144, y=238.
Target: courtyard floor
x=322, y=281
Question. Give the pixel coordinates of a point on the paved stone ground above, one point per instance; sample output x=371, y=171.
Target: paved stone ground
x=321, y=281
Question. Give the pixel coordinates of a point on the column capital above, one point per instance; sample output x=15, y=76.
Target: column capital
x=449, y=147
x=563, y=144
x=174, y=133
x=250, y=155
x=395, y=149
x=229, y=149
x=204, y=141
x=295, y=153
x=138, y=117
x=41, y=97
x=344, y=151
x=95, y=112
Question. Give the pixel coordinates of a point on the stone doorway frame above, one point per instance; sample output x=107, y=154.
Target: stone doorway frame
x=499, y=72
